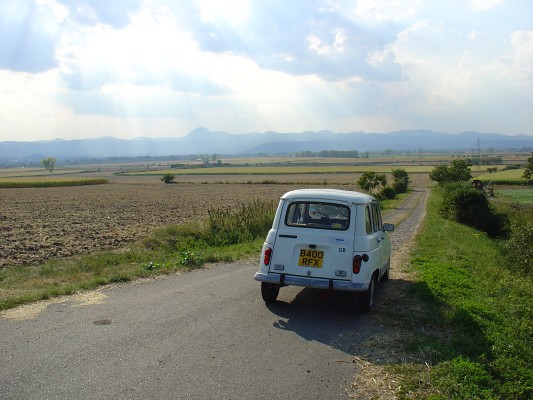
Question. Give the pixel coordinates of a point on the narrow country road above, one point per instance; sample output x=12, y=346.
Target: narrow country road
x=200, y=335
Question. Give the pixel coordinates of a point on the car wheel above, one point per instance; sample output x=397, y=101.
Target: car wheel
x=385, y=276
x=366, y=299
x=269, y=292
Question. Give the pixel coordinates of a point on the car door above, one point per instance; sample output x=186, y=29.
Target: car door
x=381, y=236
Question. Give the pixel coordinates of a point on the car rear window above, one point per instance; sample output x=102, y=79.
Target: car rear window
x=318, y=215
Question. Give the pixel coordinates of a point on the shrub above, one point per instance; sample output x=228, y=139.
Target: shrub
x=369, y=181
x=168, y=178
x=466, y=205
x=401, y=180
x=388, y=193
x=458, y=171
x=400, y=186
x=528, y=172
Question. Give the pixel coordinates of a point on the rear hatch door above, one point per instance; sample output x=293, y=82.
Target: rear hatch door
x=315, y=238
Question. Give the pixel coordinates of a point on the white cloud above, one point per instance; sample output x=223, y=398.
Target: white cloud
x=318, y=46
x=227, y=11
x=381, y=11
x=484, y=5
x=161, y=67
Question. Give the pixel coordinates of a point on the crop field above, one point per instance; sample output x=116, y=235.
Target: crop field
x=520, y=196
x=511, y=175
x=41, y=223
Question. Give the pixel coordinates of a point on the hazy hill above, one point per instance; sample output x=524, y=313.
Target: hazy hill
x=203, y=141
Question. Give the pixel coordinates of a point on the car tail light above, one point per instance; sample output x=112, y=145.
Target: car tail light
x=357, y=264
x=267, y=256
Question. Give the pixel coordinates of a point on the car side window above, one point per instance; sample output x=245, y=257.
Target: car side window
x=375, y=217
x=368, y=220
x=378, y=225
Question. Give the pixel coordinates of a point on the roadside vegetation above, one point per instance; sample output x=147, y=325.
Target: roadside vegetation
x=478, y=298
x=53, y=183
x=227, y=234
x=473, y=260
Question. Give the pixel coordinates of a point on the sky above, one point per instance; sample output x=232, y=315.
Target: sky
x=76, y=69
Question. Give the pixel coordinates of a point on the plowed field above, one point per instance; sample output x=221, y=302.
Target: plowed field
x=37, y=224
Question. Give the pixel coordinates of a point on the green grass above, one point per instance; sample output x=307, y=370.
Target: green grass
x=483, y=306
x=520, y=196
x=10, y=184
x=228, y=234
x=511, y=174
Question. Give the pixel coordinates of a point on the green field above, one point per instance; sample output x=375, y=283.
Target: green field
x=521, y=196
x=511, y=175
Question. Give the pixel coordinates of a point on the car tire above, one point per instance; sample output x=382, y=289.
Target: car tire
x=386, y=275
x=366, y=299
x=269, y=292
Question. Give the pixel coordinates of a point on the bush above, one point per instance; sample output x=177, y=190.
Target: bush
x=400, y=186
x=388, y=193
x=466, y=205
x=168, y=178
x=401, y=180
x=458, y=171
x=369, y=181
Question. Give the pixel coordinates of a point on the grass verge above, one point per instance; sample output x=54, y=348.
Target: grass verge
x=477, y=341
x=53, y=183
x=227, y=235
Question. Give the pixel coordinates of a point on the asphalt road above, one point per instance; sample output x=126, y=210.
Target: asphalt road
x=205, y=334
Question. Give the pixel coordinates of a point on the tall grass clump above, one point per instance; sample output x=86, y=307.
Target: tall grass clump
x=224, y=226
x=240, y=224
x=519, y=247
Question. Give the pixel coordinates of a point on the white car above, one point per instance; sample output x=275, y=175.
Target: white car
x=326, y=239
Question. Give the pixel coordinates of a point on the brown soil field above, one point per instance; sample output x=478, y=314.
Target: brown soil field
x=37, y=224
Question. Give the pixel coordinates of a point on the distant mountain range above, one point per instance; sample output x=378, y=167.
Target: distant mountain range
x=203, y=141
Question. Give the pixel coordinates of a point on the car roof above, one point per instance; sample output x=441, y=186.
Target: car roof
x=329, y=194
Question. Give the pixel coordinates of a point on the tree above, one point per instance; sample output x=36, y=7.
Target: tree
x=168, y=178
x=401, y=180
x=528, y=173
x=458, y=171
x=369, y=181
x=49, y=164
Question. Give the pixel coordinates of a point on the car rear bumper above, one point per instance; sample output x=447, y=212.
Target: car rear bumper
x=316, y=283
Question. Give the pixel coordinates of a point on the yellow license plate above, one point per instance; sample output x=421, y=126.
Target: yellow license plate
x=311, y=258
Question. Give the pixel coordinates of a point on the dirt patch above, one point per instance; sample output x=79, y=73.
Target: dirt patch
x=30, y=311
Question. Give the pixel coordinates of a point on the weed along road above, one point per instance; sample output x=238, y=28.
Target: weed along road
x=205, y=334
